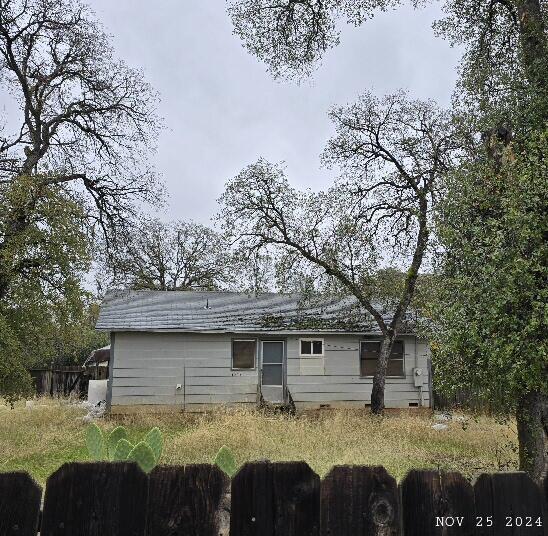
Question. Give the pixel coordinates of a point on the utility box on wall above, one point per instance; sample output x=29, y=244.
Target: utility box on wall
x=418, y=377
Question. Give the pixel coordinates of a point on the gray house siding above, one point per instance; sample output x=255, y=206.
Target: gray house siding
x=147, y=367
x=340, y=383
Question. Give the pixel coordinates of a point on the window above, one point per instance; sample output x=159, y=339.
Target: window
x=243, y=353
x=311, y=347
x=369, y=357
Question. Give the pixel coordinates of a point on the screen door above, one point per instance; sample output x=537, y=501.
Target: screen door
x=272, y=373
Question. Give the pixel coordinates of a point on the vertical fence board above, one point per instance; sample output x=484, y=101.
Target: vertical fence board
x=275, y=499
x=95, y=499
x=188, y=501
x=436, y=504
x=512, y=501
x=19, y=504
x=361, y=501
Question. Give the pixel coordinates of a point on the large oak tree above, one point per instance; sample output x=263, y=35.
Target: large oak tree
x=175, y=255
x=392, y=154
x=86, y=123
x=501, y=96
x=73, y=163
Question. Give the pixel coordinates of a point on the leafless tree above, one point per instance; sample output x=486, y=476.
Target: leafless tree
x=392, y=154
x=87, y=121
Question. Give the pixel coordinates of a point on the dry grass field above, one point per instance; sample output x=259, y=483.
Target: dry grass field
x=40, y=439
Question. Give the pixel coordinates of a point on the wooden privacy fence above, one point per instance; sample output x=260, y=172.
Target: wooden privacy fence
x=267, y=499
x=64, y=381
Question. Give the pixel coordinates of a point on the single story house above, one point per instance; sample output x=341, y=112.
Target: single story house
x=192, y=349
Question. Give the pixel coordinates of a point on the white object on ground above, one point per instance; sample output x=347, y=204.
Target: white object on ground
x=442, y=417
x=97, y=391
x=439, y=427
x=96, y=403
x=96, y=412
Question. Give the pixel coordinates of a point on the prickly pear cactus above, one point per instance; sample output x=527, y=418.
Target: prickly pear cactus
x=226, y=462
x=114, y=437
x=155, y=441
x=95, y=442
x=143, y=455
x=122, y=450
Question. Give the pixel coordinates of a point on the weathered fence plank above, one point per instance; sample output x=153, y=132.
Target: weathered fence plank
x=269, y=499
x=437, y=503
x=188, y=501
x=509, y=504
x=95, y=499
x=361, y=501
x=19, y=504
x=281, y=499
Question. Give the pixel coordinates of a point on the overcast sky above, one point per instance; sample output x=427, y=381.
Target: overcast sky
x=222, y=110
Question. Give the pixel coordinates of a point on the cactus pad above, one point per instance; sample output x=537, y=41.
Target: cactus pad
x=122, y=450
x=143, y=455
x=225, y=461
x=155, y=441
x=95, y=442
x=114, y=437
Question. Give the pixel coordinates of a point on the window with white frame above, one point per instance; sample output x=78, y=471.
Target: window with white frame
x=311, y=347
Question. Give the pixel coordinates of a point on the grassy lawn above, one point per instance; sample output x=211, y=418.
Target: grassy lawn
x=40, y=439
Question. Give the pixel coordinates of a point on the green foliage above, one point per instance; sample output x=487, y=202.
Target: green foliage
x=114, y=437
x=155, y=441
x=117, y=447
x=177, y=255
x=95, y=442
x=225, y=461
x=45, y=313
x=122, y=450
x=143, y=455
x=491, y=309
x=15, y=381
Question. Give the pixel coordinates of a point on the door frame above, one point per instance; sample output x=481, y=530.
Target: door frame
x=283, y=340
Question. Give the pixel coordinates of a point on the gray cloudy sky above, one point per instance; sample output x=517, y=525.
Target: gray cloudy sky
x=222, y=110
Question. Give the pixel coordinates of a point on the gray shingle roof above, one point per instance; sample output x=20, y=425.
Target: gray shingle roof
x=194, y=311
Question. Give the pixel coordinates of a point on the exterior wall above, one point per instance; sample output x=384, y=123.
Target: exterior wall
x=335, y=380
x=148, y=367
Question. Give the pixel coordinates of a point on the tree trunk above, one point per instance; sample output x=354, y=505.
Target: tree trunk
x=16, y=224
x=532, y=421
x=377, y=394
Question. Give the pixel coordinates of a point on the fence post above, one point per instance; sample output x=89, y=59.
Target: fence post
x=513, y=502
x=188, y=501
x=275, y=499
x=359, y=500
x=84, y=499
x=436, y=503
x=19, y=504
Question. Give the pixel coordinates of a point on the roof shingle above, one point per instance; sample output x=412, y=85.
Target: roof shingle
x=232, y=312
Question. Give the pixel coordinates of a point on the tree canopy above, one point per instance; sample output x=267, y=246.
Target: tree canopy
x=392, y=152
x=87, y=121
x=177, y=255
x=74, y=165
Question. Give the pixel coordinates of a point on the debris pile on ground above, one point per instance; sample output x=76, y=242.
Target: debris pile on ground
x=443, y=420
x=439, y=426
x=95, y=411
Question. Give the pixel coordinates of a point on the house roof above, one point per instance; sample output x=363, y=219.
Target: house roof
x=100, y=355
x=232, y=312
